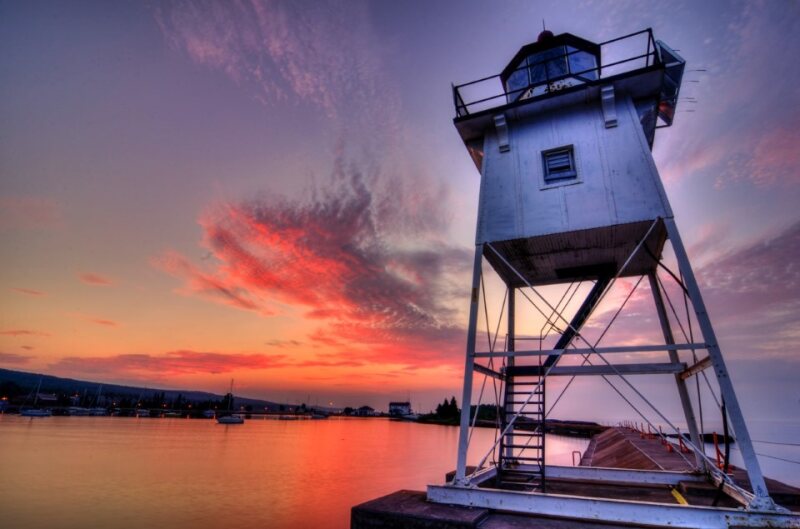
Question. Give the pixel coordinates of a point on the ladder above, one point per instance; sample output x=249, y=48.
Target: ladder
x=521, y=461
x=523, y=443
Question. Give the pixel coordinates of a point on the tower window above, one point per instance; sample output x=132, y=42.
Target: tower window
x=559, y=165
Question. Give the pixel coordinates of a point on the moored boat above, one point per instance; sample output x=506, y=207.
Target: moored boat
x=33, y=412
x=229, y=417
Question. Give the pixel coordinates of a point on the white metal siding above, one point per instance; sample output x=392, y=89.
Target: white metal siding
x=617, y=180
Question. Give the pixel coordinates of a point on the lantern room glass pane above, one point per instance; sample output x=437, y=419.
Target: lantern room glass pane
x=547, y=65
x=580, y=62
x=517, y=82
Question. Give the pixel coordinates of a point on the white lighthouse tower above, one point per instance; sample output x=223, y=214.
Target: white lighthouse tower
x=570, y=194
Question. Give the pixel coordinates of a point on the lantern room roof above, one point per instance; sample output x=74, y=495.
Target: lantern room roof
x=637, y=65
x=546, y=43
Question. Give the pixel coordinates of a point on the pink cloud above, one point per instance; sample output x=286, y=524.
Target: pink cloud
x=172, y=363
x=91, y=278
x=101, y=321
x=776, y=159
x=350, y=257
x=284, y=343
x=752, y=294
x=23, y=332
x=95, y=319
x=709, y=240
x=319, y=52
x=29, y=213
x=188, y=362
x=29, y=291
x=757, y=276
x=207, y=285
x=13, y=358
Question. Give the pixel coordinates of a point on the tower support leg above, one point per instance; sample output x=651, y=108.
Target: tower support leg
x=507, y=451
x=761, y=500
x=686, y=402
x=466, y=396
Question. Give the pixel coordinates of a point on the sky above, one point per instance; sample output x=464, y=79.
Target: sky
x=193, y=192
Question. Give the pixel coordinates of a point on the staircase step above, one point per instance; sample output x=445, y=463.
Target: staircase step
x=523, y=458
x=522, y=475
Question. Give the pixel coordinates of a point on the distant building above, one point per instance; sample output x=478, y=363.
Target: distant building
x=365, y=411
x=398, y=409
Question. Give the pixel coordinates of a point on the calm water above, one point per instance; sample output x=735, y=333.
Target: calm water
x=108, y=472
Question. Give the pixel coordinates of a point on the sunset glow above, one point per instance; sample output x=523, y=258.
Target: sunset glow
x=274, y=192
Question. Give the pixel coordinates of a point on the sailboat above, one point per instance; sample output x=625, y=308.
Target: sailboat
x=33, y=412
x=230, y=419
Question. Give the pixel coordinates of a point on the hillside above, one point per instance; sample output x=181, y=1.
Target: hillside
x=21, y=382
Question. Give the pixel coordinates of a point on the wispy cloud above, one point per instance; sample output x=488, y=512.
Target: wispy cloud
x=284, y=343
x=13, y=358
x=776, y=157
x=750, y=279
x=172, y=363
x=23, y=332
x=96, y=320
x=189, y=362
x=29, y=213
x=104, y=322
x=313, y=52
x=90, y=278
x=28, y=291
x=752, y=294
x=207, y=285
x=363, y=256
x=746, y=117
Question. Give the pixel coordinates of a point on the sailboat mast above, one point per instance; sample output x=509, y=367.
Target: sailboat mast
x=36, y=397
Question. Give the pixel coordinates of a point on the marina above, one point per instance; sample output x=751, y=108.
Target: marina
x=399, y=265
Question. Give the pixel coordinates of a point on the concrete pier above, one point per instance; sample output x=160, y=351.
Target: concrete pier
x=616, y=447
x=406, y=509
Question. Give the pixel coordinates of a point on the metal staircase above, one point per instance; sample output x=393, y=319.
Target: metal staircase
x=521, y=461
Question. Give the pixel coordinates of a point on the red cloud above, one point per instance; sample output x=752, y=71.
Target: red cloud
x=207, y=285
x=187, y=362
x=28, y=291
x=94, y=279
x=363, y=257
x=183, y=362
x=23, y=332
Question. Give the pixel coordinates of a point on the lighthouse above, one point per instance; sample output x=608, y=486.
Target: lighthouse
x=570, y=195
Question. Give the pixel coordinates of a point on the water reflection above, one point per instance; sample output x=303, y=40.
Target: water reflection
x=77, y=472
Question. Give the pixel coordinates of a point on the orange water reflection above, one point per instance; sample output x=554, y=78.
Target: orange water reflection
x=78, y=472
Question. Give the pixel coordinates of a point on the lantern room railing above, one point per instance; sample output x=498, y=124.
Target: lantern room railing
x=618, y=57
